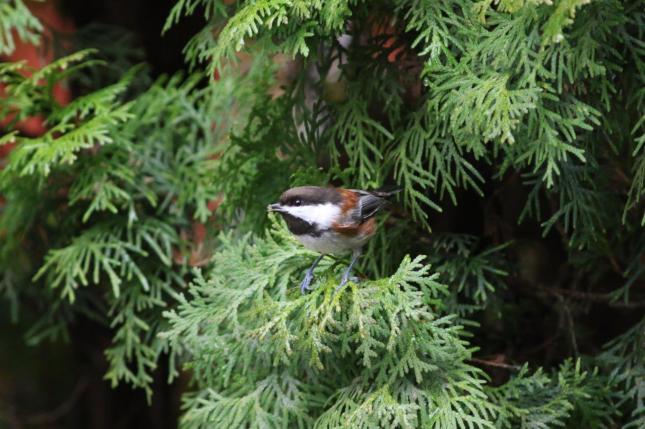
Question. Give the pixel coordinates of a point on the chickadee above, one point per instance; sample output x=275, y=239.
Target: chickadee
x=330, y=221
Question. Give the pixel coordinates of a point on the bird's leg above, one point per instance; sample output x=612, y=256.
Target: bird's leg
x=309, y=275
x=348, y=271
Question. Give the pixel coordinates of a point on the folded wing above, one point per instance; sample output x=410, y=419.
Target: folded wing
x=368, y=205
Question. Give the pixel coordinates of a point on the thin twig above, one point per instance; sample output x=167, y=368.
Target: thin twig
x=495, y=364
x=591, y=296
x=64, y=408
x=543, y=344
x=615, y=265
x=568, y=318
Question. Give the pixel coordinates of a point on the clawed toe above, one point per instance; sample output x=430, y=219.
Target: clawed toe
x=343, y=282
x=304, y=286
x=309, y=276
x=348, y=271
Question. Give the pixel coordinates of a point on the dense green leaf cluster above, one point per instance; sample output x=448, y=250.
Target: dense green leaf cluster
x=378, y=354
x=17, y=20
x=384, y=353
x=552, y=91
x=499, y=81
x=104, y=199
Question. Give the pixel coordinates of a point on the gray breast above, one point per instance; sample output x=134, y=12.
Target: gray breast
x=330, y=242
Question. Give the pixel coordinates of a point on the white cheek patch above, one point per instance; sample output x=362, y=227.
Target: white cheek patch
x=322, y=215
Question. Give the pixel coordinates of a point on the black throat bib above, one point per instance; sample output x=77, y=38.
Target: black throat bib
x=298, y=226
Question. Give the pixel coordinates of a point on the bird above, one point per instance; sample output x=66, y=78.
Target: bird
x=330, y=221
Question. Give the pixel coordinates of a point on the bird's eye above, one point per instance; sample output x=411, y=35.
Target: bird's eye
x=297, y=202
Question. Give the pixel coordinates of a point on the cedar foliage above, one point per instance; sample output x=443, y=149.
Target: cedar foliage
x=447, y=99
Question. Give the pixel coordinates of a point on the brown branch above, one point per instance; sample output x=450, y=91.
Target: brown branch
x=615, y=265
x=495, y=364
x=620, y=174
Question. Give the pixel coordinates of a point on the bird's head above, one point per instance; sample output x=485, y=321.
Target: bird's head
x=317, y=206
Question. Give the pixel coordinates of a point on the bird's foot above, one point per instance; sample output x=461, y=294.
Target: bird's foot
x=344, y=280
x=306, y=282
x=348, y=271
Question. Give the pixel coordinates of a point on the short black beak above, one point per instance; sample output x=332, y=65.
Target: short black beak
x=274, y=207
